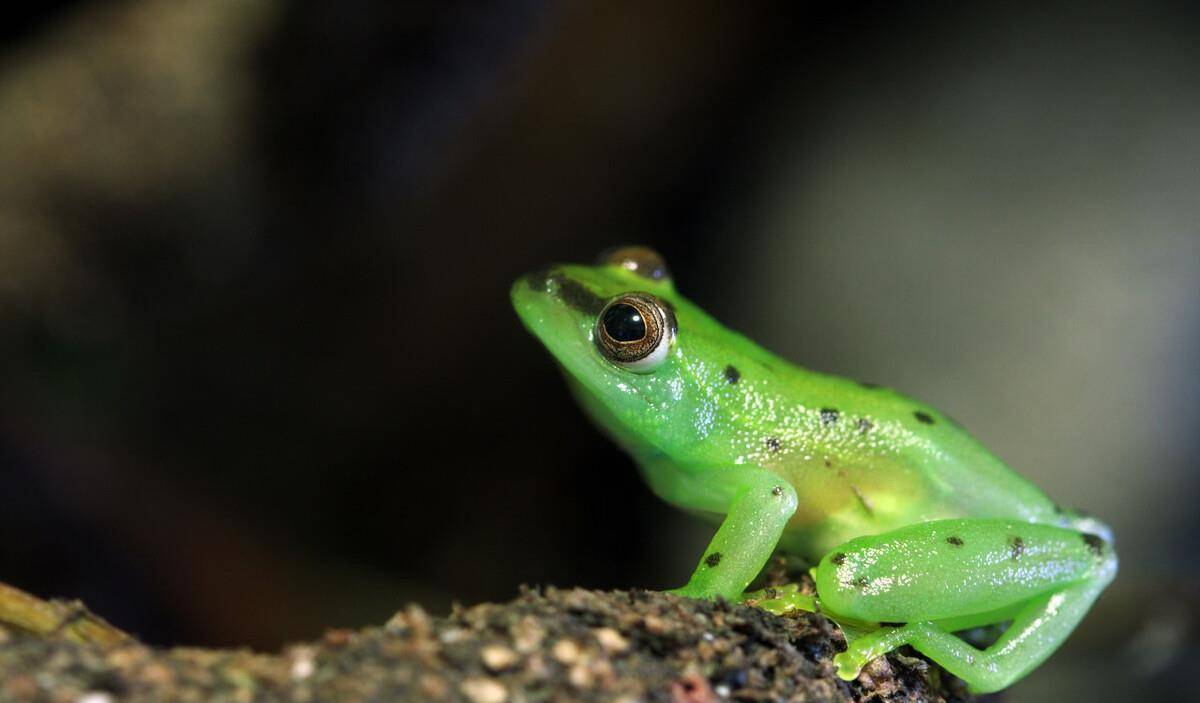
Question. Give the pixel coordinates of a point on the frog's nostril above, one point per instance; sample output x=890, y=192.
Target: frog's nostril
x=539, y=280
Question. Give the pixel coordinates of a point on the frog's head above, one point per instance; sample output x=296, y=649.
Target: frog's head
x=640, y=357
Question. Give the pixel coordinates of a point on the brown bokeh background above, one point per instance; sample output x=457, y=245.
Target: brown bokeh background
x=258, y=370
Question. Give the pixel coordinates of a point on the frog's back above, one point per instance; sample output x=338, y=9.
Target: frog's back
x=863, y=459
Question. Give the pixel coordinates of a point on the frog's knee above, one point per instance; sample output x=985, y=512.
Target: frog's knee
x=783, y=496
x=840, y=589
x=849, y=583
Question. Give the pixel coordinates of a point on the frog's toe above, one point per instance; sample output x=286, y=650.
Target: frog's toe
x=849, y=664
x=781, y=600
x=770, y=592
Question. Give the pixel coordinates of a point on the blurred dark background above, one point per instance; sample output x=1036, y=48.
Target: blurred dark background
x=258, y=370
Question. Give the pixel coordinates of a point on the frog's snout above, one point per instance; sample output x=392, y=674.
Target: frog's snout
x=538, y=281
x=531, y=289
x=535, y=298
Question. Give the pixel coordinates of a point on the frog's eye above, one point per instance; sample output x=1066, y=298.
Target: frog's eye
x=635, y=331
x=643, y=261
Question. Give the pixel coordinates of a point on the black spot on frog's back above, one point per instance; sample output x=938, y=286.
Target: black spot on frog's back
x=923, y=417
x=1016, y=547
x=773, y=444
x=955, y=541
x=712, y=560
x=829, y=416
x=732, y=375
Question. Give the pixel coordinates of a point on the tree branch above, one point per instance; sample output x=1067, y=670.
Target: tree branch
x=546, y=644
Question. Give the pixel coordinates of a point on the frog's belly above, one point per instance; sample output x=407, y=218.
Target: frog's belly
x=837, y=504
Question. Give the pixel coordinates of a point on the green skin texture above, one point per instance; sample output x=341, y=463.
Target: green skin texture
x=916, y=529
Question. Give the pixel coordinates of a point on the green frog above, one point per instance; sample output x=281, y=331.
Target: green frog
x=915, y=529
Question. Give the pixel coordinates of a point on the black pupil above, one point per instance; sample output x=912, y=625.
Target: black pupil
x=624, y=323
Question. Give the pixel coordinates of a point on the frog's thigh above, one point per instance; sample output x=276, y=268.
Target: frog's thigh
x=757, y=506
x=951, y=568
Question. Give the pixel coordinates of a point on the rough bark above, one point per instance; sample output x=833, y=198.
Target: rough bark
x=545, y=645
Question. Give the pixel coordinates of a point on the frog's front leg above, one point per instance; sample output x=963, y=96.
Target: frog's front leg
x=933, y=578
x=757, y=506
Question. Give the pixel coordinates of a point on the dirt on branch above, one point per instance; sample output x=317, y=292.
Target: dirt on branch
x=546, y=645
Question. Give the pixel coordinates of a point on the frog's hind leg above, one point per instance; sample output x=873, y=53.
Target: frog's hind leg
x=1034, y=634
x=925, y=581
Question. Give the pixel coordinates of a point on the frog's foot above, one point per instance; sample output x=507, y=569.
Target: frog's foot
x=860, y=651
x=781, y=600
